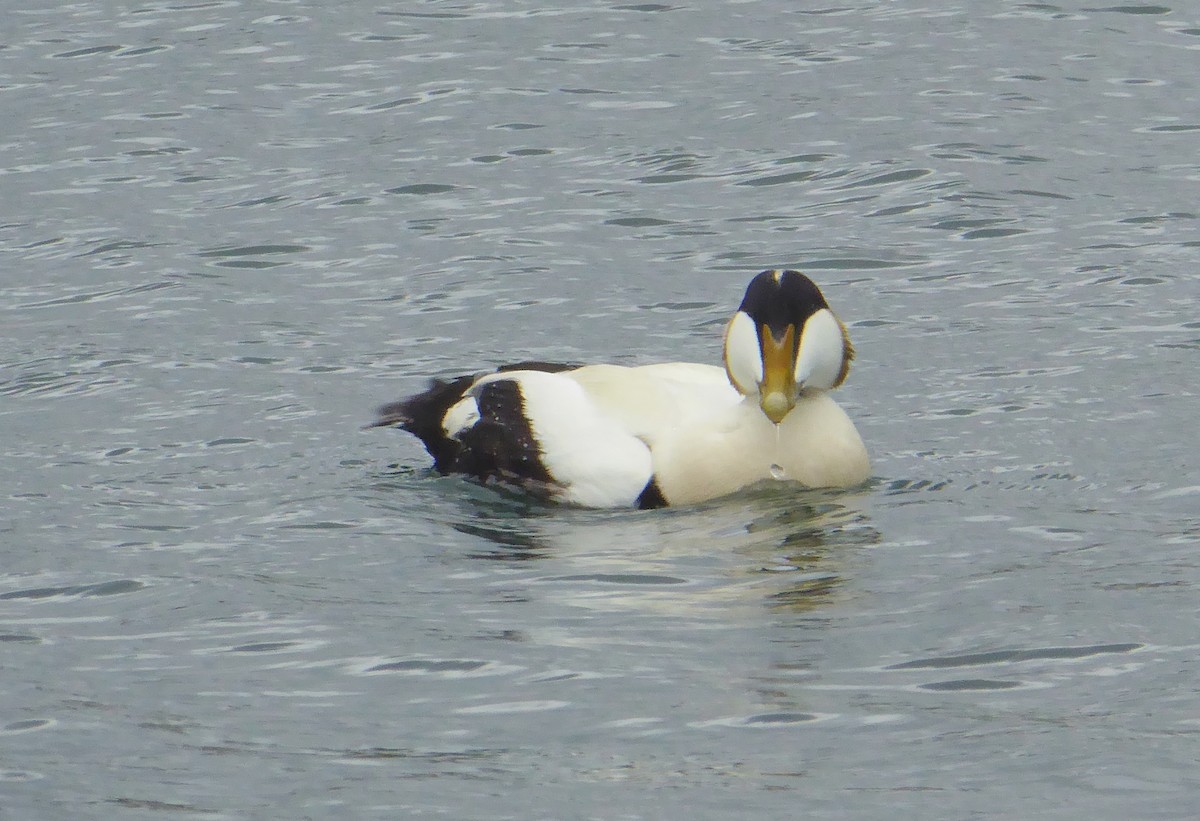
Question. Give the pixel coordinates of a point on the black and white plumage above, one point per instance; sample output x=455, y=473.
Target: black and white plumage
x=656, y=435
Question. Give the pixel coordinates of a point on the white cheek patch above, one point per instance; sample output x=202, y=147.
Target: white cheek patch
x=743, y=357
x=822, y=351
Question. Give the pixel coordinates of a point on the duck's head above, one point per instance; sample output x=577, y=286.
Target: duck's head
x=784, y=339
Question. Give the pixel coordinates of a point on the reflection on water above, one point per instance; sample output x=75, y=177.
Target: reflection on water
x=775, y=543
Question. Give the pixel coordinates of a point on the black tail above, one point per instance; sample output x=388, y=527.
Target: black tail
x=422, y=415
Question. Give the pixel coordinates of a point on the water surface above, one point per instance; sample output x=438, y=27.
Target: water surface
x=229, y=230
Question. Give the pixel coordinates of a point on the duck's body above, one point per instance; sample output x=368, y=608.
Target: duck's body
x=668, y=434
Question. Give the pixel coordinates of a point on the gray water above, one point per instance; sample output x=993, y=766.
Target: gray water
x=229, y=230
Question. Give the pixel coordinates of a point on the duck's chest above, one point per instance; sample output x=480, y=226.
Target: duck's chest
x=815, y=445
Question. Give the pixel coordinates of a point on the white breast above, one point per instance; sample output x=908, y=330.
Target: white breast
x=816, y=445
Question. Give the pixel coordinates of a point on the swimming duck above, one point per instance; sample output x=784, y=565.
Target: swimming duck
x=655, y=435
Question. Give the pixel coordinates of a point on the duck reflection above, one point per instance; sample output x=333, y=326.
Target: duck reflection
x=767, y=545
x=771, y=544
x=730, y=601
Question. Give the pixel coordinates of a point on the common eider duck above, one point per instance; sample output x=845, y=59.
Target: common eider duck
x=649, y=436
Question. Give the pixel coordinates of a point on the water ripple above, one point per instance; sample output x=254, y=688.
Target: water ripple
x=226, y=227
x=1012, y=656
x=109, y=588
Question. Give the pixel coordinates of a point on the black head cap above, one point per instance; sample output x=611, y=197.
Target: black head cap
x=781, y=298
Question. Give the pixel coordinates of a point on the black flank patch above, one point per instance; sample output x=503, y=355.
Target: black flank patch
x=501, y=444
x=651, y=496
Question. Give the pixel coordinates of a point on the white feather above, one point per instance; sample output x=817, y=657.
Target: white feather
x=815, y=445
x=461, y=416
x=596, y=460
